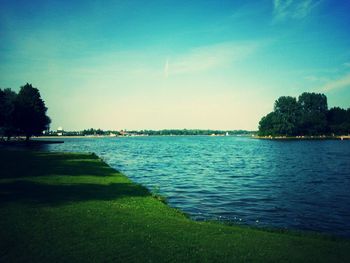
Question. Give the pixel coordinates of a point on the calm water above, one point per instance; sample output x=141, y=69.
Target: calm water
x=286, y=184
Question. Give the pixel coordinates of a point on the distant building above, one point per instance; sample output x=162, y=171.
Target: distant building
x=59, y=131
x=124, y=133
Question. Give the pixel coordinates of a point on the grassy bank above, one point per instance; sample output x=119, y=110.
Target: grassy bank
x=57, y=207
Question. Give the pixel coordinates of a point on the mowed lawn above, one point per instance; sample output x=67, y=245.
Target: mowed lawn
x=66, y=207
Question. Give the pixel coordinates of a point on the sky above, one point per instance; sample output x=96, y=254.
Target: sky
x=174, y=64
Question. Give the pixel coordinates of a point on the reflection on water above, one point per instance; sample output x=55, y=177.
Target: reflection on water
x=288, y=184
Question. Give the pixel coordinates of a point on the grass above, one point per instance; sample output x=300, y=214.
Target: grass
x=60, y=207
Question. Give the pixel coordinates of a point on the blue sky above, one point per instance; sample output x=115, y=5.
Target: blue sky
x=174, y=64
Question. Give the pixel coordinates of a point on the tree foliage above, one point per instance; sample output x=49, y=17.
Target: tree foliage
x=309, y=115
x=92, y=131
x=339, y=120
x=287, y=112
x=23, y=113
x=314, y=109
x=2, y=111
x=7, y=106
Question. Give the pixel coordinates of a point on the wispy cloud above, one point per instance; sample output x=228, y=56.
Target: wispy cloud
x=293, y=9
x=209, y=57
x=313, y=78
x=342, y=82
x=166, y=68
x=151, y=65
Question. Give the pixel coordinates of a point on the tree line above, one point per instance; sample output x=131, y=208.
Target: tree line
x=306, y=116
x=22, y=114
x=180, y=132
x=166, y=132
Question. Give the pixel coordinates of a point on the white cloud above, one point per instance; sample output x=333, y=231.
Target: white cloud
x=339, y=83
x=293, y=9
x=209, y=57
x=166, y=68
x=313, y=78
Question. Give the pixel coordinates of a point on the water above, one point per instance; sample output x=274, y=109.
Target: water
x=303, y=185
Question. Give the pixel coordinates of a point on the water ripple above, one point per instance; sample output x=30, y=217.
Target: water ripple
x=292, y=184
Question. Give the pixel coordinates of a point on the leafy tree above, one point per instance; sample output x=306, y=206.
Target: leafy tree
x=307, y=116
x=268, y=124
x=339, y=120
x=287, y=117
x=94, y=132
x=2, y=112
x=30, y=112
x=314, y=109
x=284, y=120
x=7, y=108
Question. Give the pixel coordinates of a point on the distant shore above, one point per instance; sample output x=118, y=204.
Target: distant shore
x=121, y=136
x=43, y=138
x=323, y=137
x=73, y=136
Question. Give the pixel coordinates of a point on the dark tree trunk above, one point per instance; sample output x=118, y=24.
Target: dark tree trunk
x=27, y=137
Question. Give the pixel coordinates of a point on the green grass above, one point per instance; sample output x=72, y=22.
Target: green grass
x=59, y=207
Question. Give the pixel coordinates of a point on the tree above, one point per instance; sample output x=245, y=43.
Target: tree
x=268, y=124
x=338, y=121
x=314, y=109
x=2, y=112
x=7, y=108
x=308, y=115
x=30, y=112
x=284, y=120
x=288, y=115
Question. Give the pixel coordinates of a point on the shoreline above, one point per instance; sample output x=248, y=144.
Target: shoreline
x=28, y=143
x=339, y=137
x=132, y=136
x=61, y=190
x=323, y=137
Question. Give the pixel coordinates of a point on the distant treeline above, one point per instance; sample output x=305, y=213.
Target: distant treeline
x=189, y=132
x=306, y=116
x=97, y=132
x=86, y=132
x=22, y=114
x=175, y=132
